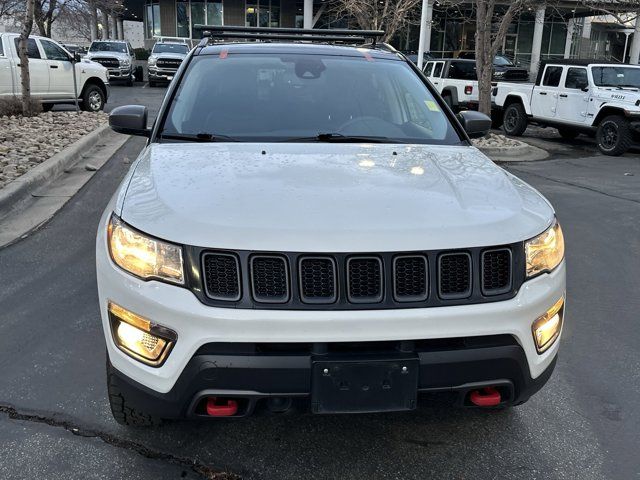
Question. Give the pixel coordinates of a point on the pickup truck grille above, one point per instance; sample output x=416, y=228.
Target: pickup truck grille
x=344, y=281
x=168, y=63
x=107, y=62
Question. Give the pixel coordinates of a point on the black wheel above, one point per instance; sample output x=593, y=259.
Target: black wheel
x=92, y=99
x=47, y=107
x=122, y=412
x=152, y=84
x=568, y=133
x=514, y=120
x=130, y=80
x=496, y=119
x=614, y=135
x=138, y=73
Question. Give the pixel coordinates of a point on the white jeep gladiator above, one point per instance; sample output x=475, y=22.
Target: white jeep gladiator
x=580, y=96
x=51, y=73
x=315, y=230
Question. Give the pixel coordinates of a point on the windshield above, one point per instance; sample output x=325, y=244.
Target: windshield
x=502, y=61
x=179, y=48
x=272, y=97
x=616, y=76
x=108, y=47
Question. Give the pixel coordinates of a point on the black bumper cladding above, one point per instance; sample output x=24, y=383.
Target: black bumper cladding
x=342, y=377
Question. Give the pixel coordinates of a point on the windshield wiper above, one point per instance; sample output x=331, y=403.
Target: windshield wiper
x=341, y=138
x=199, y=137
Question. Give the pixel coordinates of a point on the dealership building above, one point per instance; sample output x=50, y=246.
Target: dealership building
x=568, y=30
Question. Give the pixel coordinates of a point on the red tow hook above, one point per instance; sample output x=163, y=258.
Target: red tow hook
x=487, y=397
x=221, y=407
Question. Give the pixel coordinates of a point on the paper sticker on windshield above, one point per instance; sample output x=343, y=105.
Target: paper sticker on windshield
x=431, y=105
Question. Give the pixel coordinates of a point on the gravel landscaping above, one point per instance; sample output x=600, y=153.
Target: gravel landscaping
x=27, y=142
x=494, y=140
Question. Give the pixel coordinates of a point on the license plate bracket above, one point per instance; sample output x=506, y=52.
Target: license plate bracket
x=364, y=385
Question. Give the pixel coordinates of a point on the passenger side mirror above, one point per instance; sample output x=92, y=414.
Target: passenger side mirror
x=77, y=57
x=130, y=120
x=476, y=124
x=584, y=88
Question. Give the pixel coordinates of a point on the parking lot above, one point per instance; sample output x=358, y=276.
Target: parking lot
x=583, y=424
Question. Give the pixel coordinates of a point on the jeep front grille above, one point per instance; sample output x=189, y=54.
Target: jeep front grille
x=344, y=281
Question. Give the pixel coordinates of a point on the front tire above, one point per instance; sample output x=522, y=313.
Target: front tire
x=92, y=99
x=568, y=133
x=514, y=120
x=122, y=411
x=613, y=135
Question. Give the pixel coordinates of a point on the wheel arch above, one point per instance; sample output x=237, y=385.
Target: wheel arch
x=516, y=98
x=97, y=82
x=607, y=111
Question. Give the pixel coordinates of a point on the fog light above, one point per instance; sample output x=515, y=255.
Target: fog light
x=547, y=327
x=138, y=337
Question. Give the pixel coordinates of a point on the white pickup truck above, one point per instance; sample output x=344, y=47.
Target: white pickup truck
x=51, y=73
x=577, y=96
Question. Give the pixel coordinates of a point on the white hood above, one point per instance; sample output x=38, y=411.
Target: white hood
x=319, y=197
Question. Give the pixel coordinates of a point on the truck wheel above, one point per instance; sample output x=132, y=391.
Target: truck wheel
x=568, y=133
x=514, y=120
x=122, y=412
x=152, y=84
x=130, y=80
x=47, y=107
x=613, y=135
x=92, y=99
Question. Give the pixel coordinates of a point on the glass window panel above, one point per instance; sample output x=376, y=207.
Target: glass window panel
x=263, y=17
x=214, y=13
x=156, y=19
x=275, y=16
x=182, y=15
x=251, y=18
x=197, y=16
x=552, y=76
x=149, y=21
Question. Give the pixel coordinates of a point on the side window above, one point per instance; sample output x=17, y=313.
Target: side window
x=463, y=71
x=576, y=78
x=53, y=51
x=437, y=71
x=552, y=76
x=428, y=69
x=32, y=48
x=1, y=49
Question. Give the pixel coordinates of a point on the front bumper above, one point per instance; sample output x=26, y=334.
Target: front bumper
x=161, y=75
x=122, y=73
x=197, y=324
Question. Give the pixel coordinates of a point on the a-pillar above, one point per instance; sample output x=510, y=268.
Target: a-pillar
x=571, y=27
x=536, y=48
x=634, y=53
x=308, y=14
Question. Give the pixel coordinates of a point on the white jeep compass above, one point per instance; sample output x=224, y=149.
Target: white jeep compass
x=310, y=227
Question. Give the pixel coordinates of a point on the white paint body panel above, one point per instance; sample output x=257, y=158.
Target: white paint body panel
x=318, y=197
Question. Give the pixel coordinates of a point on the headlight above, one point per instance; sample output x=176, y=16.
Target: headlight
x=125, y=62
x=152, y=61
x=544, y=252
x=143, y=256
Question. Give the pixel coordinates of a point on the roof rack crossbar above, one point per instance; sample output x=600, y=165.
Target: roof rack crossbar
x=299, y=32
x=315, y=38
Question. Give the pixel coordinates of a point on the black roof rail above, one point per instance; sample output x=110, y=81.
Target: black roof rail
x=210, y=32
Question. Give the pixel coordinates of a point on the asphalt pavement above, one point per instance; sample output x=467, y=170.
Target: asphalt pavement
x=55, y=420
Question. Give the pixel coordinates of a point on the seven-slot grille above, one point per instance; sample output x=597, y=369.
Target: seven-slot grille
x=245, y=279
x=168, y=63
x=107, y=62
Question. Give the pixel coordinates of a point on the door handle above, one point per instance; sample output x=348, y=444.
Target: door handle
x=563, y=95
x=542, y=93
x=53, y=66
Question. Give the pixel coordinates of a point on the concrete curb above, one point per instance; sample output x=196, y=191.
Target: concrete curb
x=20, y=188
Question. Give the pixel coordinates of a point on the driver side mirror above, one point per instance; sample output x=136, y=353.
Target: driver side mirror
x=130, y=120
x=476, y=124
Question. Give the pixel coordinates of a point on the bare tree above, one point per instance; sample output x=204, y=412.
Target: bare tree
x=387, y=15
x=45, y=13
x=23, y=44
x=9, y=8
